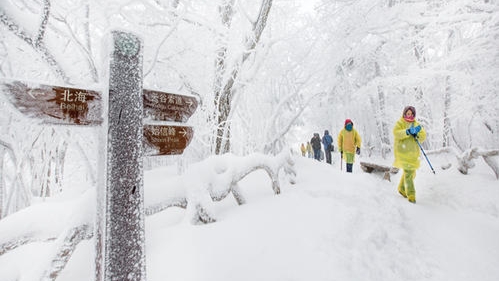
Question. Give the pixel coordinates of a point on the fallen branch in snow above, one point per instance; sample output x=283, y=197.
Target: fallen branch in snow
x=51, y=226
x=172, y=202
x=215, y=178
x=65, y=246
x=386, y=170
x=10, y=245
x=465, y=159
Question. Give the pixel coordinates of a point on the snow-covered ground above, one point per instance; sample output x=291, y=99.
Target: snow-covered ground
x=330, y=225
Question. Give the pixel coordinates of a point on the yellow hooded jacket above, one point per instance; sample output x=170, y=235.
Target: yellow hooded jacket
x=348, y=141
x=406, y=150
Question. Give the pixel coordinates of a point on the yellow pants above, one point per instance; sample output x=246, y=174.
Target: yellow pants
x=406, y=184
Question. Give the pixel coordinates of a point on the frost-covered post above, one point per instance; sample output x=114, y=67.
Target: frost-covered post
x=124, y=249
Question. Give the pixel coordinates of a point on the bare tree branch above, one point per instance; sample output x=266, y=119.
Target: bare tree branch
x=66, y=245
x=38, y=42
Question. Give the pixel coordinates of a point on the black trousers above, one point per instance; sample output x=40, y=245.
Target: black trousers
x=349, y=168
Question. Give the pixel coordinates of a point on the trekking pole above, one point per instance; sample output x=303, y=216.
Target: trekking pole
x=341, y=161
x=422, y=150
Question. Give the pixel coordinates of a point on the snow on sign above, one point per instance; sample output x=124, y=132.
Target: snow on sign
x=55, y=104
x=161, y=106
x=166, y=139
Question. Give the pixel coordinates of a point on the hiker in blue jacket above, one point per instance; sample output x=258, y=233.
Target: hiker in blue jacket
x=327, y=141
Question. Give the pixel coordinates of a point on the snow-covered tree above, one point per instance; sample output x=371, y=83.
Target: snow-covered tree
x=437, y=55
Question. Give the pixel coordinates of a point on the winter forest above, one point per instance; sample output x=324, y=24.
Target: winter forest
x=267, y=74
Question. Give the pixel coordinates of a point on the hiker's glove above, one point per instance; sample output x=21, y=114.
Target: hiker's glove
x=357, y=151
x=413, y=131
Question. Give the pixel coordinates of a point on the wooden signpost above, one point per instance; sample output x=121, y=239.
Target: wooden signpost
x=166, y=139
x=163, y=106
x=72, y=106
x=120, y=227
x=124, y=252
x=55, y=104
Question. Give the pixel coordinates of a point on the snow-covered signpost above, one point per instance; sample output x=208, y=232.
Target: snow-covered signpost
x=120, y=229
x=124, y=242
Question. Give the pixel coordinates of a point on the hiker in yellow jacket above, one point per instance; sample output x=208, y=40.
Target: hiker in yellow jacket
x=349, y=142
x=303, y=149
x=406, y=150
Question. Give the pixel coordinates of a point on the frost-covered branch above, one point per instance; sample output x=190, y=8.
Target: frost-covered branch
x=65, y=246
x=43, y=25
x=22, y=227
x=36, y=42
x=18, y=179
x=180, y=202
x=465, y=159
x=281, y=131
x=213, y=180
x=6, y=246
x=66, y=224
x=84, y=46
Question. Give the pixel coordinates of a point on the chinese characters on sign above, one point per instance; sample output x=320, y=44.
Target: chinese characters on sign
x=161, y=106
x=74, y=103
x=166, y=139
x=56, y=105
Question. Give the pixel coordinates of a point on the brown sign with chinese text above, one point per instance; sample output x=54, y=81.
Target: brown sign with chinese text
x=54, y=104
x=161, y=106
x=166, y=139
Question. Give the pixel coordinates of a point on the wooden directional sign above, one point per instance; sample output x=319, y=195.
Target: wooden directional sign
x=166, y=139
x=54, y=104
x=161, y=106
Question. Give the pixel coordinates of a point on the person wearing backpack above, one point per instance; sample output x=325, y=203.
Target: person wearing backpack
x=327, y=141
x=349, y=142
x=406, y=150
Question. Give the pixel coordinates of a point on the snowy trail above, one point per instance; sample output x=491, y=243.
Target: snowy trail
x=330, y=226
x=337, y=226
x=374, y=228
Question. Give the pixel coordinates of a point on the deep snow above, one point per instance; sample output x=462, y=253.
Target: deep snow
x=330, y=225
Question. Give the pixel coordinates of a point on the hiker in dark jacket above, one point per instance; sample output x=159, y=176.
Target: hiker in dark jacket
x=316, y=146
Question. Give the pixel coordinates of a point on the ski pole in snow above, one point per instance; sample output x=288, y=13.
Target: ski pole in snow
x=422, y=150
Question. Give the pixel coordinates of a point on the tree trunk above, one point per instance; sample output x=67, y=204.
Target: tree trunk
x=2, y=184
x=383, y=126
x=380, y=117
x=225, y=91
x=447, y=106
x=222, y=100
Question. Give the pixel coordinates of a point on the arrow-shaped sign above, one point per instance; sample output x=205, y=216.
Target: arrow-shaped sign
x=55, y=104
x=166, y=139
x=162, y=106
